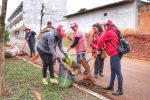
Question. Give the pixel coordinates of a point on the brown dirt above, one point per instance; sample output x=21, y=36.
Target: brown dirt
x=93, y=87
x=140, y=45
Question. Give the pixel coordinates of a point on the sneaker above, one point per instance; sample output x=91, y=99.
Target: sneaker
x=118, y=92
x=108, y=88
x=45, y=82
x=61, y=86
x=96, y=76
x=54, y=81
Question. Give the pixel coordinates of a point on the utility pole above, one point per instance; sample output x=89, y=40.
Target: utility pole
x=2, y=59
x=42, y=14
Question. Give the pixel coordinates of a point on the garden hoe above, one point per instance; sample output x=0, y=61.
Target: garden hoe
x=22, y=51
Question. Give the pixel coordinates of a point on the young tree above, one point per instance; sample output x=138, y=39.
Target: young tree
x=2, y=27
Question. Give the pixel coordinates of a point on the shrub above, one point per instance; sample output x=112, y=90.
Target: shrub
x=6, y=36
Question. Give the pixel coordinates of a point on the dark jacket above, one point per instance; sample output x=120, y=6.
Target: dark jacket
x=30, y=37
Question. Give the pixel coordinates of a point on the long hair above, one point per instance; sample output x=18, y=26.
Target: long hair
x=100, y=29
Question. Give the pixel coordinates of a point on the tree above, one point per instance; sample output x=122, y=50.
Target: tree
x=2, y=28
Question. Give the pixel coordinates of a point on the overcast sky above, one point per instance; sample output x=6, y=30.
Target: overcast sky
x=72, y=5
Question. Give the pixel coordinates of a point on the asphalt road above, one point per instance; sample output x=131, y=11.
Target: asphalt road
x=136, y=74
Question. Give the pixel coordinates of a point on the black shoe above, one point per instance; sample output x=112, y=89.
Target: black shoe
x=108, y=88
x=101, y=75
x=86, y=72
x=118, y=92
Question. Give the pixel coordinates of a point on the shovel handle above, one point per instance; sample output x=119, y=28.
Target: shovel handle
x=24, y=45
x=69, y=68
x=14, y=45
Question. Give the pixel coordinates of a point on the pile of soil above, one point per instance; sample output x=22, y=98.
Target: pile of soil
x=140, y=45
x=93, y=87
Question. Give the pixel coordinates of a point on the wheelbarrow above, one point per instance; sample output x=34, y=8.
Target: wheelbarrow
x=67, y=72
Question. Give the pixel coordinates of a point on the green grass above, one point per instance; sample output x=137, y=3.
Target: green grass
x=22, y=78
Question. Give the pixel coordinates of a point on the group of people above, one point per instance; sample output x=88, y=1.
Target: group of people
x=103, y=41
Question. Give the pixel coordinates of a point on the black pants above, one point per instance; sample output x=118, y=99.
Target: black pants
x=99, y=65
x=47, y=60
x=32, y=48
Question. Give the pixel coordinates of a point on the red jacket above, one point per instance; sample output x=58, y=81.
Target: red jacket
x=94, y=41
x=106, y=37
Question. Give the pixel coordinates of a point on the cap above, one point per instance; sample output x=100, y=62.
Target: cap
x=61, y=30
x=73, y=24
x=110, y=22
x=49, y=22
x=27, y=29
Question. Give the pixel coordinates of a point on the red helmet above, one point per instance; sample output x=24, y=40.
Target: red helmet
x=61, y=31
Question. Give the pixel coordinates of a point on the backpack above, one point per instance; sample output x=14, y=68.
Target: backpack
x=123, y=46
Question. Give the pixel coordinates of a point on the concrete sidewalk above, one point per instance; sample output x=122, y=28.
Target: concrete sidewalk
x=136, y=76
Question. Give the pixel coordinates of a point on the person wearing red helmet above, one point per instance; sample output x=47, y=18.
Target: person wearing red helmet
x=99, y=60
x=45, y=48
x=110, y=38
x=79, y=43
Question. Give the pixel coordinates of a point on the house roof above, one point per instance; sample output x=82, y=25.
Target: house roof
x=97, y=8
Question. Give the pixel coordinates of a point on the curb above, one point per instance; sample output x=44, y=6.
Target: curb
x=75, y=85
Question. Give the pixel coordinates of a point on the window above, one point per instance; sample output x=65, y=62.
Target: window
x=105, y=14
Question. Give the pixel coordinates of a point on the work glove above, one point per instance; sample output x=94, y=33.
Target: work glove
x=59, y=60
x=65, y=54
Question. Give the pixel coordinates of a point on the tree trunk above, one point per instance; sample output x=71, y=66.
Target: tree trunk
x=2, y=60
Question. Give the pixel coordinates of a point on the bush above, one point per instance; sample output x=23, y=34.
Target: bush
x=6, y=36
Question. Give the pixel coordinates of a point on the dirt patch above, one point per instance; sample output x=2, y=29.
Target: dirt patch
x=140, y=45
x=93, y=87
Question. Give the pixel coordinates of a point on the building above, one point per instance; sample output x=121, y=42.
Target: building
x=0, y=8
x=28, y=14
x=124, y=13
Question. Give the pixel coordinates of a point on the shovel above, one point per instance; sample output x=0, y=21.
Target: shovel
x=89, y=77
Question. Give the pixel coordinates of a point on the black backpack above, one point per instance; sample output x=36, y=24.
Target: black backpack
x=124, y=46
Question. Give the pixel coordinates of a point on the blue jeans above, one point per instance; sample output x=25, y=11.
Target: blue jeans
x=99, y=65
x=32, y=48
x=81, y=55
x=115, y=62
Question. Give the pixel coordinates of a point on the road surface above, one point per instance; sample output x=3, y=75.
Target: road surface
x=136, y=74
